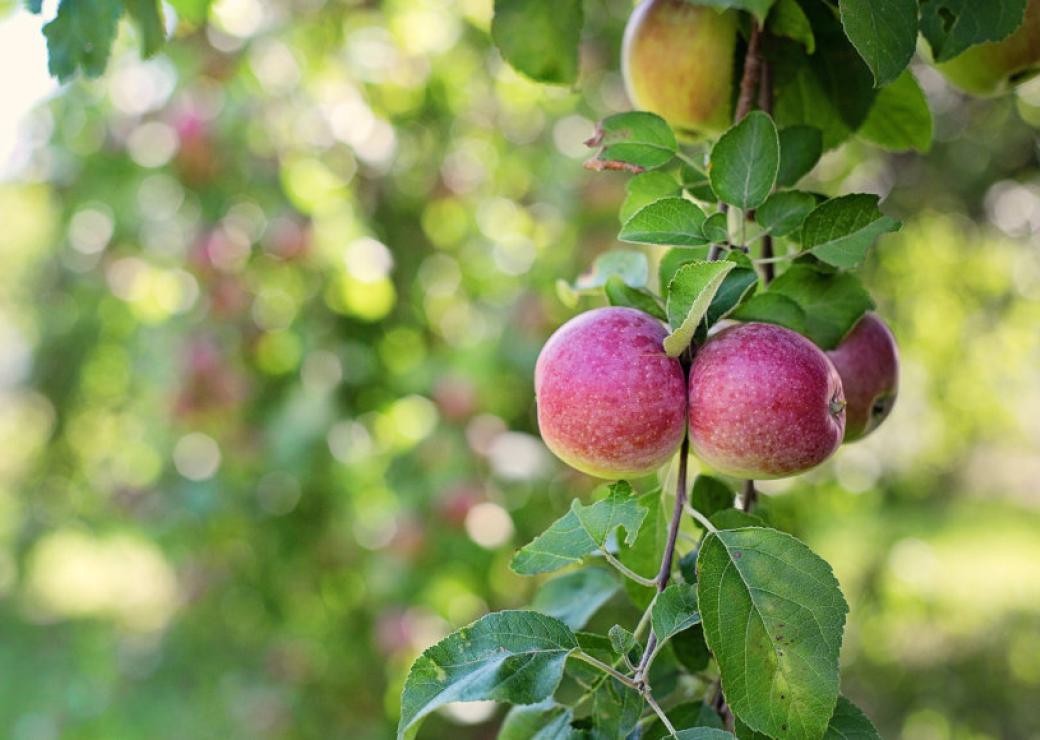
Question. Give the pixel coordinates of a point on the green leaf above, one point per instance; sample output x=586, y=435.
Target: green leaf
x=830, y=303
x=581, y=531
x=690, y=649
x=670, y=221
x=685, y=716
x=745, y=161
x=688, y=566
x=831, y=90
x=644, y=557
x=598, y=646
x=689, y=295
x=759, y=8
x=615, y=710
x=849, y=723
x=574, y=597
x=710, y=495
x=539, y=38
x=619, y=294
x=884, y=33
x=703, y=733
x=672, y=260
x=80, y=37
x=773, y=308
x=785, y=212
x=148, y=17
x=621, y=640
x=736, y=286
x=951, y=26
x=841, y=230
x=34, y=6
x=746, y=733
x=716, y=228
x=695, y=182
x=789, y=20
x=630, y=266
x=674, y=610
x=900, y=118
x=544, y=721
x=510, y=656
x=635, y=141
x=800, y=149
x=773, y=617
x=644, y=189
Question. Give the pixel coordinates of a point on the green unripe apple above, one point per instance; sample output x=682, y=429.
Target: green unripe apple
x=988, y=69
x=677, y=61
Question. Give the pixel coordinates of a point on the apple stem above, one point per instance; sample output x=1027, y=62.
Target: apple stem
x=748, y=496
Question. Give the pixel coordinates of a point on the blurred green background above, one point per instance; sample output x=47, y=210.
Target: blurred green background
x=269, y=309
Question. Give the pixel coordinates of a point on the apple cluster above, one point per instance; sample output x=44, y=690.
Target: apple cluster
x=758, y=400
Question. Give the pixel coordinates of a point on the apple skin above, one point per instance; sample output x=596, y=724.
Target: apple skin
x=765, y=403
x=868, y=362
x=989, y=69
x=677, y=62
x=611, y=403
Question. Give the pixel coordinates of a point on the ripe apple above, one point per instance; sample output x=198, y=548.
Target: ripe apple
x=765, y=402
x=611, y=403
x=868, y=362
x=677, y=62
x=991, y=68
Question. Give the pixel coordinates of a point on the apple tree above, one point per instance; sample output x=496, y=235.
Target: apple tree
x=745, y=342
x=736, y=336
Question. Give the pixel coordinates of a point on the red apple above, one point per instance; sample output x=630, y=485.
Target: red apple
x=868, y=362
x=611, y=403
x=677, y=62
x=765, y=402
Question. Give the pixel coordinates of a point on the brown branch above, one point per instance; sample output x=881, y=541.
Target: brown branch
x=749, y=89
x=765, y=102
x=664, y=574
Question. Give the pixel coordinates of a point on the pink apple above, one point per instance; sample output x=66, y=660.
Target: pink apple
x=868, y=362
x=765, y=402
x=611, y=403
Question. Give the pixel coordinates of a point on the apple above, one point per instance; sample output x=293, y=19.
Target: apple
x=992, y=68
x=611, y=403
x=765, y=402
x=868, y=362
x=677, y=62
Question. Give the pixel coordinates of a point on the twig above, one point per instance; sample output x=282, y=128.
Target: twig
x=765, y=102
x=609, y=670
x=749, y=89
x=701, y=519
x=665, y=572
x=765, y=88
x=660, y=713
x=628, y=572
